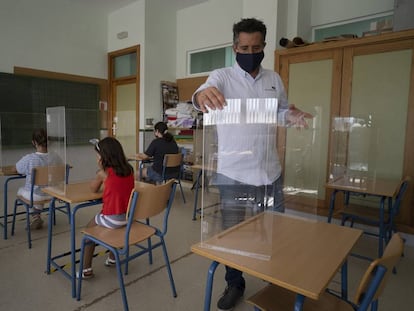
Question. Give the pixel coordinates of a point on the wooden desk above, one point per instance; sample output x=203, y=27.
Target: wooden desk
x=305, y=255
x=10, y=173
x=81, y=195
x=385, y=189
x=137, y=157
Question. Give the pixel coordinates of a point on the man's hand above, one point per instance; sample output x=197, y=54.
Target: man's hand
x=296, y=117
x=211, y=98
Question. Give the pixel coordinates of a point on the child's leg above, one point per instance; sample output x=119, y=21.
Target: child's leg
x=141, y=174
x=36, y=221
x=89, y=249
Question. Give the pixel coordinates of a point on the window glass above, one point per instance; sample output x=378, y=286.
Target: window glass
x=208, y=60
x=125, y=65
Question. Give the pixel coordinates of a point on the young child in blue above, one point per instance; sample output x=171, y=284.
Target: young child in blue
x=24, y=166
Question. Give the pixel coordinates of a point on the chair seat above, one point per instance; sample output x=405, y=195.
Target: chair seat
x=116, y=237
x=275, y=298
x=363, y=214
x=45, y=201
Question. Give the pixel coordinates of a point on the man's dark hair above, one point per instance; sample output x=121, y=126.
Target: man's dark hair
x=249, y=25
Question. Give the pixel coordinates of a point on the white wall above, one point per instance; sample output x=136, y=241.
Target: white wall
x=53, y=35
x=160, y=51
x=152, y=25
x=130, y=18
x=210, y=24
x=329, y=11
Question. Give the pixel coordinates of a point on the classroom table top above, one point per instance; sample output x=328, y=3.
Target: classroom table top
x=73, y=192
x=304, y=254
x=137, y=157
x=8, y=170
x=372, y=186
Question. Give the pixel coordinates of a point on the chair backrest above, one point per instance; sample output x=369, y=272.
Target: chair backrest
x=171, y=161
x=150, y=200
x=401, y=191
x=47, y=175
x=392, y=254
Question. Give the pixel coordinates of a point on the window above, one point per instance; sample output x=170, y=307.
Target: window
x=360, y=27
x=209, y=59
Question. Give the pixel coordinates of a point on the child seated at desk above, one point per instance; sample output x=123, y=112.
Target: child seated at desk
x=25, y=165
x=116, y=176
x=162, y=144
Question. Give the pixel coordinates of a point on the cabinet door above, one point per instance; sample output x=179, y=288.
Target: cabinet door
x=376, y=84
x=312, y=81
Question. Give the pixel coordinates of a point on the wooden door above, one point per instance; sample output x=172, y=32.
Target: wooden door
x=312, y=82
x=378, y=82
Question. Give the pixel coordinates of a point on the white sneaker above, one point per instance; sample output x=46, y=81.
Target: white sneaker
x=110, y=262
x=86, y=274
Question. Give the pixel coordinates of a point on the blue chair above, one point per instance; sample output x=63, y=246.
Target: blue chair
x=172, y=167
x=370, y=288
x=147, y=200
x=42, y=176
x=351, y=214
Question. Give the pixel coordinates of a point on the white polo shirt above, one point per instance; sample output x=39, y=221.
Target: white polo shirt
x=246, y=140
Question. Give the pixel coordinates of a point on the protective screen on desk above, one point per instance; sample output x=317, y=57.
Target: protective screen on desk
x=256, y=162
x=354, y=148
x=56, y=145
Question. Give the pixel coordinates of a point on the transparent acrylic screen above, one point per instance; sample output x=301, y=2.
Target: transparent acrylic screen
x=56, y=144
x=354, y=154
x=245, y=187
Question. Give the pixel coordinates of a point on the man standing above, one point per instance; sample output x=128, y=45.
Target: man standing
x=245, y=80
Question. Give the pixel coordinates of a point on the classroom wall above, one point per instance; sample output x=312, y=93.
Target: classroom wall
x=54, y=35
x=331, y=11
x=210, y=24
x=152, y=25
x=131, y=18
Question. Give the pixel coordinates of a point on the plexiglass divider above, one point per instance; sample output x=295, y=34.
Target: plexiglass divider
x=243, y=176
x=56, y=143
x=354, y=152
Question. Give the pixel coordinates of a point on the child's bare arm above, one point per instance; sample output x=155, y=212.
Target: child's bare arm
x=96, y=184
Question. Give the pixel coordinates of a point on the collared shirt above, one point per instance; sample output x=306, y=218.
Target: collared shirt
x=247, y=153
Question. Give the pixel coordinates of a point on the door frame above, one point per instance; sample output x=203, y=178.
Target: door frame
x=114, y=82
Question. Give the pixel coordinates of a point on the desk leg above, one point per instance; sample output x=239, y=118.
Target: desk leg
x=5, y=209
x=332, y=205
x=49, y=234
x=344, y=280
x=299, y=302
x=73, y=251
x=197, y=186
x=209, y=285
x=5, y=202
x=381, y=228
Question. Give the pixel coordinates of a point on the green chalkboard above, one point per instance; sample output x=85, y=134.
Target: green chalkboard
x=23, y=103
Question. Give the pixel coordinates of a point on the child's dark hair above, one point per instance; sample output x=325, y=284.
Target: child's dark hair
x=39, y=136
x=112, y=155
x=163, y=129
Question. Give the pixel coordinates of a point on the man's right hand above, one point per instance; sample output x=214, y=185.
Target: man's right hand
x=210, y=98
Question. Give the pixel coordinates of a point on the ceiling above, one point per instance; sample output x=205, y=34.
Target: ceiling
x=112, y=5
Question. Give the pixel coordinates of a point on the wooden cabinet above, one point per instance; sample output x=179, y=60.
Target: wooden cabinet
x=371, y=76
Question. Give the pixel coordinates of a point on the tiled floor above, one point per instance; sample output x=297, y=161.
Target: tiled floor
x=25, y=286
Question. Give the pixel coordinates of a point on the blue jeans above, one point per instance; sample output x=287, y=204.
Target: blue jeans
x=239, y=200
